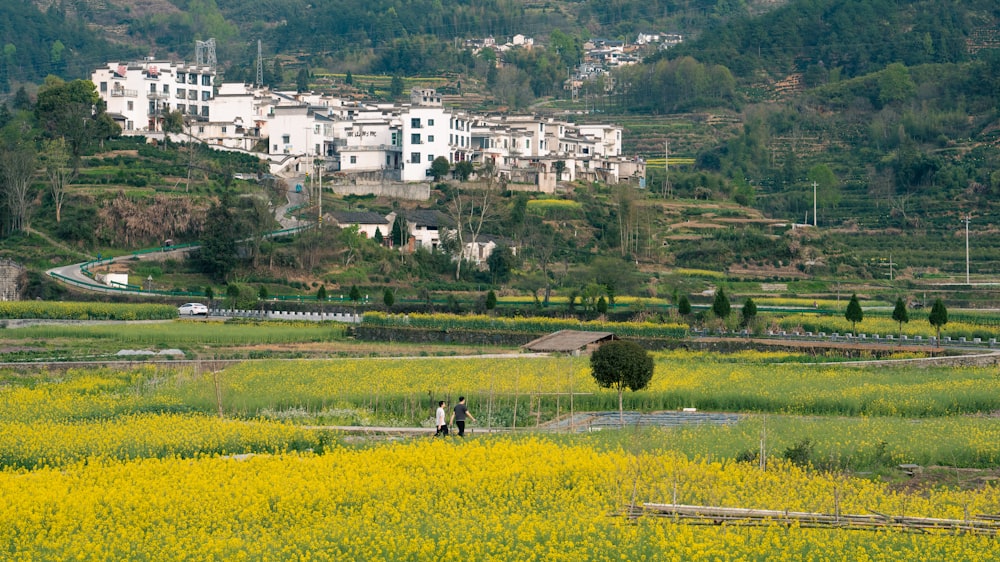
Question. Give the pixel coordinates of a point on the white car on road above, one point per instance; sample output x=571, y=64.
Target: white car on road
x=192, y=309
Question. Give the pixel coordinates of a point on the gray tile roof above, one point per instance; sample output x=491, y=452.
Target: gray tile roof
x=567, y=340
x=358, y=217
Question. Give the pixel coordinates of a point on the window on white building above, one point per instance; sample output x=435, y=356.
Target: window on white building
x=192, y=78
x=415, y=138
x=152, y=88
x=225, y=130
x=192, y=94
x=205, y=96
x=180, y=107
x=204, y=111
x=414, y=157
x=527, y=143
x=206, y=80
x=181, y=93
x=104, y=86
x=286, y=139
x=166, y=88
x=430, y=122
x=430, y=157
x=201, y=129
x=430, y=138
x=131, y=106
x=415, y=123
x=354, y=159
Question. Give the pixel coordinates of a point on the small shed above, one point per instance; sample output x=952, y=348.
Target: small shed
x=576, y=342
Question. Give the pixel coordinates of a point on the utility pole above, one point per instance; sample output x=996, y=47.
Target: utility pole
x=666, y=166
x=260, y=66
x=814, y=205
x=319, y=171
x=966, y=220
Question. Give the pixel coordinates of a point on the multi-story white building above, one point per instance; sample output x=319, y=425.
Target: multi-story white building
x=139, y=94
x=393, y=142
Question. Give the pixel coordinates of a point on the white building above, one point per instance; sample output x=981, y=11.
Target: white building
x=377, y=142
x=139, y=94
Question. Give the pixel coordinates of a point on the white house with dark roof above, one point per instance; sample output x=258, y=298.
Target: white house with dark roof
x=426, y=227
x=367, y=222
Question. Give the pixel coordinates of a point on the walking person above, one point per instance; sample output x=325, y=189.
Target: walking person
x=459, y=414
x=442, y=427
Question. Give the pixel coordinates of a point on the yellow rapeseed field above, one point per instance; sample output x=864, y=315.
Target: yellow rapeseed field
x=479, y=499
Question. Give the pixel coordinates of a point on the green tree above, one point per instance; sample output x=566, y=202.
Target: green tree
x=491, y=300
x=720, y=305
x=440, y=167
x=464, y=169
x=209, y=295
x=388, y=298
x=559, y=166
x=683, y=306
x=232, y=294
x=854, y=314
x=355, y=294
x=277, y=75
x=262, y=293
x=749, y=313
x=349, y=78
x=400, y=235
x=378, y=238
x=218, y=255
x=827, y=190
x=501, y=264
x=321, y=293
x=72, y=110
x=302, y=80
x=938, y=317
x=900, y=315
x=895, y=85
x=619, y=365
x=396, y=86
x=173, y=122
x=602, y=305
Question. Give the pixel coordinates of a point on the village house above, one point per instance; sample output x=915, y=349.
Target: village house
x=357, y=144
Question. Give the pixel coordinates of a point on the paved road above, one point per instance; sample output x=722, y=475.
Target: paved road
x=73, y=273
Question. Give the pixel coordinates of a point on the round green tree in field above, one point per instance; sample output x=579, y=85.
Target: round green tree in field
x=619, y=365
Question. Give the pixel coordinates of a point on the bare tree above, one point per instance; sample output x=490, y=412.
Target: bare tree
x=542, y=242
x=56, y=159
x=17, y=166
x=470, y=212
x=628, y=220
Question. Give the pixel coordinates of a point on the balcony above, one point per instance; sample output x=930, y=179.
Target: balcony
x=157, y=95
x=123, y=93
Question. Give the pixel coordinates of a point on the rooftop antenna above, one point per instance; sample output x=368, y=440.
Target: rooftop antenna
x=260, y=67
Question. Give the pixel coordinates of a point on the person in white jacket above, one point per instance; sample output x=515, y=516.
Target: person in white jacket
x=442, y=426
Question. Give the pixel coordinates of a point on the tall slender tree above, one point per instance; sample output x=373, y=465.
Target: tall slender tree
x=938, y=317
x=854, y=314
x=900, y=315
x=55, y=158
x=17, y=166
